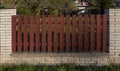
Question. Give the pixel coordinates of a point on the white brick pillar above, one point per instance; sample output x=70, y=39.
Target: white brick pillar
x=6, y=30
x=114, y=35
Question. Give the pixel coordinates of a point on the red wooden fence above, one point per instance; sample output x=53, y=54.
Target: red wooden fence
x=83, y=33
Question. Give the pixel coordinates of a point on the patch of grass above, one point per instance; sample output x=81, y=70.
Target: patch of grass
x=63, y=67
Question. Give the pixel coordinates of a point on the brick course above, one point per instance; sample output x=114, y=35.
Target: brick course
x=5, y=30
x=114, y=40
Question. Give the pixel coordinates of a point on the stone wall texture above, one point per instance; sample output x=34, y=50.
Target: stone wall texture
x=6, y=55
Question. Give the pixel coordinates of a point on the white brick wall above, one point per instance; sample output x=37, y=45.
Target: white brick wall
x=5, y=30
x=114, y=40
x=54, y=58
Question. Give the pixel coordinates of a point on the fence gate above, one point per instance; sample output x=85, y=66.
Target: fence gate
x=83, y=33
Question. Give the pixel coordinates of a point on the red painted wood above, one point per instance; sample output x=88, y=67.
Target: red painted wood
x=73, y=33
x=61, y=33
x=86, y=32
x=31, y=34
x=43, y=33
x=80, y=33
x=14, y=33
x=49, y=34
x=68, y=33
x=104, y=33
x=55, y=34
x=37, y=48
x=98, y=33
x=25, y=34
x=92, y=29
x=19, y=39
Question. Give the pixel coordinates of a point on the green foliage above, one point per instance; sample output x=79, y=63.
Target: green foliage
x=23, y=9
x=35, y=7
x=71, y=6
x=54, y=12
x=27, y=8
x=107, y=3
x=1, y=6
x=8, y=3
x=64, y=67
x=102, y=4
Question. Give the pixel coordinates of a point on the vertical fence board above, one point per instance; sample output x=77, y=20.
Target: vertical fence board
x=55, y=34
x=19, y=33
x=73, y=33
x=86, y=33
x=104, y=33
x=68, y=34
x=43, y=33
x=61, y=33
x=49, y=34
x=98, y=33
x=25, y=34
x=31, y=34
x=80, y=33
x=14, y=33
x=17, y=42
x=37, y=48
x=92, y=47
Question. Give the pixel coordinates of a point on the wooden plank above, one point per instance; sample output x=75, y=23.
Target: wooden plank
x=25, y=34
x=68, y=33
x=43, y=33
x=92, y=32
x=104, y=33
x=37, y=48
x=49, y=34
x=55, y=34
x=98, y=33
x=31, y=34
x=19, y=39
x=73, y=33
x=61, y=33
x=86, y=33
x=14, y=33
x=80, y=33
